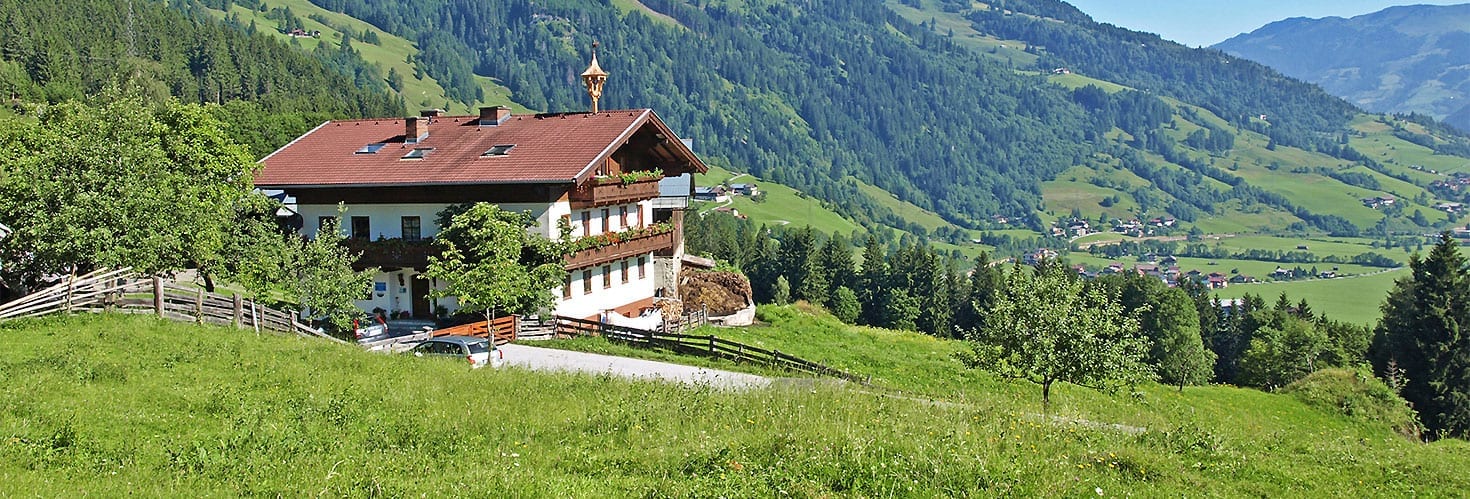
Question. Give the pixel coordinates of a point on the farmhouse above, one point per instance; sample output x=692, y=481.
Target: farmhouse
x=597, y=173
x=1378, y=202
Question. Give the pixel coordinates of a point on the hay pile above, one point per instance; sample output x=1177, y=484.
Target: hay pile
x=723, y=292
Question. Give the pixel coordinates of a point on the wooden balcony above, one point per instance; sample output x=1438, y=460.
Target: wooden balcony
x=625, y=248
x=602, y=192
x=391, y=253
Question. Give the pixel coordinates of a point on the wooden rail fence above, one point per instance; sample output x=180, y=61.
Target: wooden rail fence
x=122, y=291
x=703, y=345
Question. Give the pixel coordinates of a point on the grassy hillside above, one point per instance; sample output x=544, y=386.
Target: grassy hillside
x=393, y=52
x=783, y=205
x=224, y=411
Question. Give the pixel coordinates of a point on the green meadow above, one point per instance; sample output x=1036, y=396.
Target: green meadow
x=113, y=405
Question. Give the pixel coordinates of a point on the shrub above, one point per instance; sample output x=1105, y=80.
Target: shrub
x=1356, y=394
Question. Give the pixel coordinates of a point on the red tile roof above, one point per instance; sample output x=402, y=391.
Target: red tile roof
x=549, y=148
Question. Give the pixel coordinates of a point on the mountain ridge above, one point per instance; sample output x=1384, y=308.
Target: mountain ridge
x=1404, y=59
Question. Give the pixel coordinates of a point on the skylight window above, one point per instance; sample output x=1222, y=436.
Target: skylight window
x=500, y=150
x=371, y=148
x=418, y=153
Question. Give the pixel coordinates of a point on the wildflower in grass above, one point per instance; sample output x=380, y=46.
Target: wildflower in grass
x=1098, y=490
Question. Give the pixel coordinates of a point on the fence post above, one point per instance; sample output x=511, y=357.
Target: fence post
x=199, y=306
x=515, y=327
x=71, y=288
x=158, y=295
x=712, y=345
x=239, y=310
x=255, y=316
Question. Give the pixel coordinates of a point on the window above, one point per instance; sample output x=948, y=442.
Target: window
x=500, y=150
x=586, y=223
x=606, y=221
x=587, y=282
x=361, y=228
x=606, y=276
x=640, y=215
x=371, y=148
x=641, y=273
x=567, y=220
x=566, y=288
x=411, y=229
x=623, y=216
x=624, y=265
x=418, y=153
x=324, y=224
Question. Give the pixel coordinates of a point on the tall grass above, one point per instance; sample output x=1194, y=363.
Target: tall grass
x=110, y=405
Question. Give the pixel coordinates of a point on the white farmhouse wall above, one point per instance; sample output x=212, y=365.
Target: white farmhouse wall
x=587, y=305
x=386, y=219
x=390, y=296
x=614, y=223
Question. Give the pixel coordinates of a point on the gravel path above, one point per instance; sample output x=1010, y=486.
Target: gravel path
x=550, y=359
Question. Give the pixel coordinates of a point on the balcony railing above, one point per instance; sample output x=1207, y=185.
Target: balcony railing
x=391, y=253
x=600, y=192
x=650, y=241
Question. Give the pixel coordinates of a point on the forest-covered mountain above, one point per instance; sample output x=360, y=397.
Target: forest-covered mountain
x=1411, y=59
x=819, y=94
x=70, y=49
x=1028, y=111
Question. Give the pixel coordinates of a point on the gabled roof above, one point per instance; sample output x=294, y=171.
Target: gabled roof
x=549, y=148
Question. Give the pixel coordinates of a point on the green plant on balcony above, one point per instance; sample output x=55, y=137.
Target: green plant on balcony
x=630, y=177
x=611, y=238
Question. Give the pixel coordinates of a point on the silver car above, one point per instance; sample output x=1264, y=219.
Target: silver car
x=478, y=352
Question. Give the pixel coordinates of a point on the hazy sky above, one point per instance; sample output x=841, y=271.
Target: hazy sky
x=1207, y=22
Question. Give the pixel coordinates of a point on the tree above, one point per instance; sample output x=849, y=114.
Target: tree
x=1178, y=349
x=1423, y=333
x=119, y=183
x=845, y=305
x=984, y=285
x=1050, y=328
x=321, y=276
x=781, y=292
x=872, y=283
x=1277, y=357
x=490, y=262
x=1170, y=321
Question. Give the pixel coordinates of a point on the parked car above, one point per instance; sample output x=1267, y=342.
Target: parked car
x=479, y=352
x=365, y=328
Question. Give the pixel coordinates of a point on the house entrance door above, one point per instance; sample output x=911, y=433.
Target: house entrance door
x=421, y=307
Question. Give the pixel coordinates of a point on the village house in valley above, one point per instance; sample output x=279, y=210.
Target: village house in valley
x=597, y=172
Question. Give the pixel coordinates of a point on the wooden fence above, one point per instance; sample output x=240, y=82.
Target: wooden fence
x=685, y=322
x=121, y=291
x=703, y=345
x=506, y=329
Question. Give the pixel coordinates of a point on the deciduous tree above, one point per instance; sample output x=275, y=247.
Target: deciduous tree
x=1050, y=328
x=491, y=263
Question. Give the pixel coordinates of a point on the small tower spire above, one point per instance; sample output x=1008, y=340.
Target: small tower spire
x=593, y=78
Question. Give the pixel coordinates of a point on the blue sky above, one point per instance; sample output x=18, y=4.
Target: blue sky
x=1207, y=22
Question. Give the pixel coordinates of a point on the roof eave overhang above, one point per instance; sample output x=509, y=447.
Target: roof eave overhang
x=415, y=184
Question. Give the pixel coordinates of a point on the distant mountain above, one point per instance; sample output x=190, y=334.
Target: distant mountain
x=1402, y=59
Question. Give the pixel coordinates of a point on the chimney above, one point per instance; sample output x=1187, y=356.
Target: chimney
x=431, y=113
x=494, y=115
x=412, y=132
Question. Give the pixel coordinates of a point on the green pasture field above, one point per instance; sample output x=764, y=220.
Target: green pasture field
x=114, y=405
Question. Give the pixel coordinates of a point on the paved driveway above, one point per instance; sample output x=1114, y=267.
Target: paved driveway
x=549, y=359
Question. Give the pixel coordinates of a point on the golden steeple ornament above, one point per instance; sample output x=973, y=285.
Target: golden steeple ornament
x=593, y=78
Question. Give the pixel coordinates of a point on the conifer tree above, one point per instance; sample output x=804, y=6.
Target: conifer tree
x=872, y=282
x=1423, y=332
